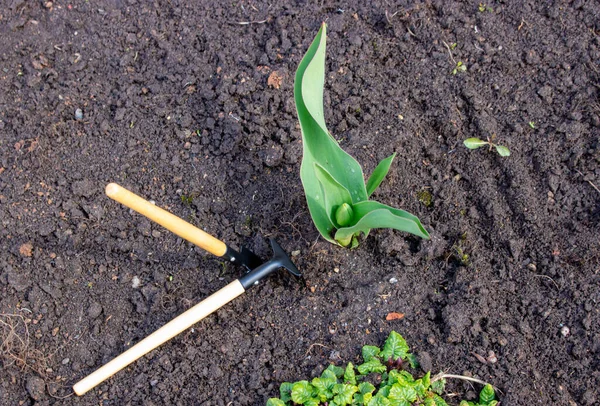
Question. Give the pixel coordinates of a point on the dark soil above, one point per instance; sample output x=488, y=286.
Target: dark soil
x=178, y=106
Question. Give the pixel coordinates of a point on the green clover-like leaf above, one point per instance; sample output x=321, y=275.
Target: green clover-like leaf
x=395, y=347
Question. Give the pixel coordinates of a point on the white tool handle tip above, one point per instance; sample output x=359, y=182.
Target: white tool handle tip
x=112, y=189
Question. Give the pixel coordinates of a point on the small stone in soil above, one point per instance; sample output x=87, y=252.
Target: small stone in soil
x=564, y=331
x=78, y=115
x=36, y=387
x=135, y=282
x=94, y=310
x=393, y=280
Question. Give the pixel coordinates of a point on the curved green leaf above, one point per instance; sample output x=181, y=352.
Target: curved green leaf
x=349, y=374
x=343, y=393
x=275, y=402
x=502, y=150
x=474, y=143
x=334, y=194
x=366, y=387
x=285, y=391
x=337, y=371
x=402, y=393
x=373, y=365
x=319, y=146
x=302, y=392
x=487, y=394
x=379, y=174
x=395, y=347
x=371, y=214
x=370, y=351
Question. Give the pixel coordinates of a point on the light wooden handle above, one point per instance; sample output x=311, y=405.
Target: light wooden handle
x=169, y=221
x=163, y=334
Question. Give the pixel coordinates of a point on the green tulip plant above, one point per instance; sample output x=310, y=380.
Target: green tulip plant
x=333, y=181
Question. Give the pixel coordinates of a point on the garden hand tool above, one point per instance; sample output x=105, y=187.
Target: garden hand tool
x=202, y=309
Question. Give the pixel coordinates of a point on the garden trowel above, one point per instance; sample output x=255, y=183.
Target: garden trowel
x=256, y=271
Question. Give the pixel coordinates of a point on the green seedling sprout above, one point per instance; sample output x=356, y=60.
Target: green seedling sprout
x=352, y=385
x=333, y=181
x=532, y=124
x=460, y=67
x=474, y=143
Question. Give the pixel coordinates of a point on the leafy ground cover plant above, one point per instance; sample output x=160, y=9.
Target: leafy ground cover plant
x=474, y=143
x=355, y=386
x=333, y=181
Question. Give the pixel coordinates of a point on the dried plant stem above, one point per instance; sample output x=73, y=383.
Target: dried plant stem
x=442, y=375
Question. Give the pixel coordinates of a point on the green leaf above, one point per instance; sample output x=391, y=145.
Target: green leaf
x=399, y=393
x=379, y=400
x=373, y=365
x=334, y=194
x=344, y=215
x=395, y=347
x=344, y=393
x=349, y=375
x=439, y=401
x=371, y=214
x=275, y=402
x=502, y=150
x=487, y=394
x=413, y=361
x=318, y=145
x=337, y=371
x=401, y=377
x=379, y=174
x=360, y=399
x=324, y=385
x=422, y=385
x=474, y=143
x=366, y=387
x=285, y=391
x=302, y=392
x=370, y=351
x=438, y=386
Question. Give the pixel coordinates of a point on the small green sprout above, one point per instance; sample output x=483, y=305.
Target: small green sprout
x=532, y=124
x=474, y=143
x=425, y=197
x=453, y=46
x=333, y=181
x=484, y=7
x=187, y=200
x=460, y=67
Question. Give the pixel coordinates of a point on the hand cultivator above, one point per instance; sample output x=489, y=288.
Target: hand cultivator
x=256, y=271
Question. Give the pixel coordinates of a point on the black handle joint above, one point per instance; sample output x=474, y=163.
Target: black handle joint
x=279, y=260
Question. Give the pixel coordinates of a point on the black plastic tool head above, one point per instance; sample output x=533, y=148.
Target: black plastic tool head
x=249, y=259
x=280, y=260
x=245, y=257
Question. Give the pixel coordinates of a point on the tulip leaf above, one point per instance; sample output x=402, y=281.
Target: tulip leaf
x=334, y=194
x=372, y=214
x=319, y=145
x=379, y=174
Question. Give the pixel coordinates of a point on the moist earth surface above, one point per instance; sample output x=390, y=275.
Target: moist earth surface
x=190, y=104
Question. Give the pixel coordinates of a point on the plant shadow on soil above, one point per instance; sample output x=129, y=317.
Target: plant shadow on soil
x=177, y=101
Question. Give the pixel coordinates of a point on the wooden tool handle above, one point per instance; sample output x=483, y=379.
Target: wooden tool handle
x=169, y=221
x=165, y=333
